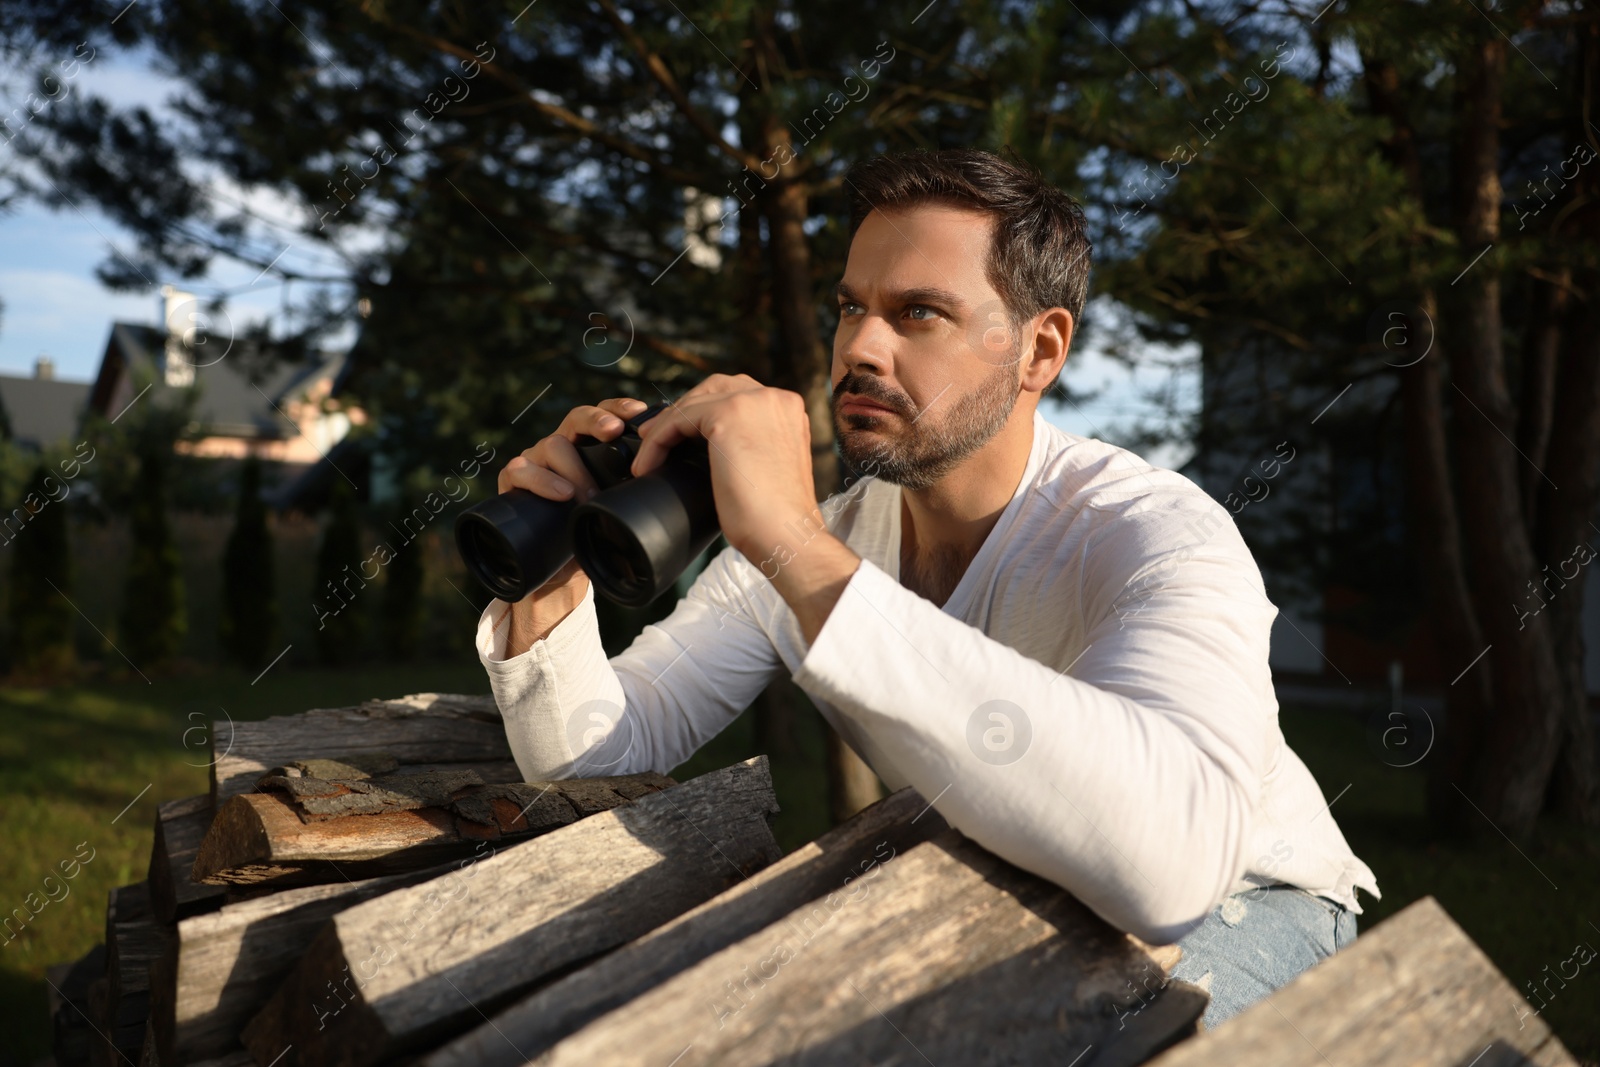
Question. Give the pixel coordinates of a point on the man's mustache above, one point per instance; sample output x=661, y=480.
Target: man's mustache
x=873, y=389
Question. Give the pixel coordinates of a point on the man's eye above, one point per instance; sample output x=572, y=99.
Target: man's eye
x=921, y=307
x=845, y=306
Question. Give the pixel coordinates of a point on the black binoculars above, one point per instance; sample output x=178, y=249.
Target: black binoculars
x=633, y=539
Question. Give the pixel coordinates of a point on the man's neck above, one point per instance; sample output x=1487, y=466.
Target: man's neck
x=942, y=527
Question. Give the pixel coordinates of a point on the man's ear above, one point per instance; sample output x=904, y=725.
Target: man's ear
x=1052, y=337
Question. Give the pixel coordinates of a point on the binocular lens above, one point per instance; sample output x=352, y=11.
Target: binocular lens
x=613, y=557
x=489, y=556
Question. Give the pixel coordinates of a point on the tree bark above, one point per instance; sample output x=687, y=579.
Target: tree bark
x=1432, y=518
x=1521, y=739
x=804, y=365
x=1566, y=525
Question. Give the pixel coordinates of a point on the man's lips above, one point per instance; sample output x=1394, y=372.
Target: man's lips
x=855, y=404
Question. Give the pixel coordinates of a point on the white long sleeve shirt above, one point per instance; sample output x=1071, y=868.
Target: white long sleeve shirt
x=1092, y=703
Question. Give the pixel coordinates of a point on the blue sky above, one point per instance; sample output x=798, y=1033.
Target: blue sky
x=56, y=307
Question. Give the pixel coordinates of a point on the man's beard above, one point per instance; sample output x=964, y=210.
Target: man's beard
x=925, y=451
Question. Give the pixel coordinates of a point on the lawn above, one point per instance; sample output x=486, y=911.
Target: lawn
x=82, y=769
x=1526, y=905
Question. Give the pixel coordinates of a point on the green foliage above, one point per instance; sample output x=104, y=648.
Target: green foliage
x=402, y=593
x=338, y=598
x=41, y=617
x=133, y=471
x=504, y=281
x=249, y=627
x=154, y=617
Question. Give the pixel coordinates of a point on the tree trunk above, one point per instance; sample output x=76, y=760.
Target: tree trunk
x=773, y=710
x=1432, y=518
x=1434, y=526
x=1566, y=526
x=805, y=366
x=1510, y=773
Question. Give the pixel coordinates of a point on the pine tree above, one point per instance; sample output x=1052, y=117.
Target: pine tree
x=154, y=617
x=340, y=584
x=41, y=615
x=249, y=627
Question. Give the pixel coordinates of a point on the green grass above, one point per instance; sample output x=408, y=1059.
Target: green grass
x=1526, y=905
x=72, y=758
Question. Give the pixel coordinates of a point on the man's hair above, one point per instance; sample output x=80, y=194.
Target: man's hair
x=1039, y=257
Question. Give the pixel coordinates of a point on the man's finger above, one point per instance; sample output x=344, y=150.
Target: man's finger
x=659, y=435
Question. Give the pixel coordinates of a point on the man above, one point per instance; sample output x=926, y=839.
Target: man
x=1061, y=646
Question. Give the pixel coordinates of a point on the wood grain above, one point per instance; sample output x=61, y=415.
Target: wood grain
x=948, y=955
x=270, y=837
x=846, y=852
x=134, y=939
x=180, y=827
x=423, y=728
x=221, y=967
x=1414, y=990
x=414, y=966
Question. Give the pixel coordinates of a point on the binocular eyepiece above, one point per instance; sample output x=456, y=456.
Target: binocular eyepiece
x=633, y=539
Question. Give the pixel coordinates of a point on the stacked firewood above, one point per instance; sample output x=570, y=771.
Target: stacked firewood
x=376, y=885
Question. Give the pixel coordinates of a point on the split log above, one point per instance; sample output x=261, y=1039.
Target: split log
x=406, y=970
x=221, y=967
x=294, y=834
x=149, y=1056
x=102, y=1053
x=946, y=954
x=828, y=864
x=69, y=1006
x=1414, y=990
x=134, y=940
x=180, y=827
x=424, y=728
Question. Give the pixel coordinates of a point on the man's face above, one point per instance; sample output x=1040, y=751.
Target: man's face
x=925, y=365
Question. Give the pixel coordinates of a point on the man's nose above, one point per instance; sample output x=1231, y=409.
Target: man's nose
x=869, y=348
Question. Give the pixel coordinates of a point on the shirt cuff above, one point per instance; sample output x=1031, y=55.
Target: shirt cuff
x=494, y=628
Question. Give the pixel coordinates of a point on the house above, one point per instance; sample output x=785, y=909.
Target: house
x=41, y=412
x=289, y=414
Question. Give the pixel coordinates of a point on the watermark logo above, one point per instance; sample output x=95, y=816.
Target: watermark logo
x=600, y=734
x=202, y=337
x=1401, y=738
x=597, y=339
x=1403, y=331
x=999, y=732
x=199, y=737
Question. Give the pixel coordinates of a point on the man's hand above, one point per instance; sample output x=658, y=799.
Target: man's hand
x=552, y=469
x=759, y=444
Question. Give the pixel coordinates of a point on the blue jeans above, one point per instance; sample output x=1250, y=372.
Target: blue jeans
x=1257, y=941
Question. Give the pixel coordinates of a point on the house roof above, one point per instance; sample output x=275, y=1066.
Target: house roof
x=41, y=412
x=230, y=404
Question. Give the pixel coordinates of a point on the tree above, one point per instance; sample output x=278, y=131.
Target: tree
x=154, y=618
x=41, y=580
x=249, y=628
x=542, y=179
x=340, y=580
x=135, y=464
x=1371, y=247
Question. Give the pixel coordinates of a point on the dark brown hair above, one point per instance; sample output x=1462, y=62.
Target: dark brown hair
x=1039, y=257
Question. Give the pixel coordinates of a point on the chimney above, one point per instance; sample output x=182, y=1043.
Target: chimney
x=178, y=310
x=44, y=368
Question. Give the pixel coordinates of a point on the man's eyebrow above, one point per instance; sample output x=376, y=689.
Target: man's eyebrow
x=925, y=294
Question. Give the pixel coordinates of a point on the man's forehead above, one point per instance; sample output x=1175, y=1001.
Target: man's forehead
x=932, y=253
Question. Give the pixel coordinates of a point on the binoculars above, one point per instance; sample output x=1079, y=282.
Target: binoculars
x=633, y=539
